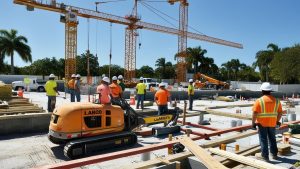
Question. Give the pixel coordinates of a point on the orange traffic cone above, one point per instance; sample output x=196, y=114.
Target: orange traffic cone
x=132, y=100
x=20, y=92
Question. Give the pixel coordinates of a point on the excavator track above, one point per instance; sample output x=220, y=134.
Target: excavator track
x=83, y=147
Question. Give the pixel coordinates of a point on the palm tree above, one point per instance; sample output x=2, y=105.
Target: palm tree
x=161, y=64
x=10, y=43
x=264, y=58
x=195, y=55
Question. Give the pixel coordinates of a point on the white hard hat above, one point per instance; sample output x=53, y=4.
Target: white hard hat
x=106, y=79
x=191, y=80
x=120, y=77
x=73, y=75
x=141, y=78
x=78, y=75
x=114, y=78
x=266, y=86
x=161, y=85
x=51, y=75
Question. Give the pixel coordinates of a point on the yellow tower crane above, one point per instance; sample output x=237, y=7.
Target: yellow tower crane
x=133, y=22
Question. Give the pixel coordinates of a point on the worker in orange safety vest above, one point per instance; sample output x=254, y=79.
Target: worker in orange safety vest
x=267, y=111
x=115, y=89
x=162, y=96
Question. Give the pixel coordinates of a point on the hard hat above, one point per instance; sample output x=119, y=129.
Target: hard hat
x=78, y=75
x=141, y=78
x=73, y=75
x=106, y=79
x=191, y=80
x=52, y=75
x=114, y=78
x=266, y=86
x=161, y=85
x=120, y=77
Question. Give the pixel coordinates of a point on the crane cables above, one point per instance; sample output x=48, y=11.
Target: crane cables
x=151, y=8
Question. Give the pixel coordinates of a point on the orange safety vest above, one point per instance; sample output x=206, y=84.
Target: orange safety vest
x=115, y=90
x=267, y=118
x=71, y=84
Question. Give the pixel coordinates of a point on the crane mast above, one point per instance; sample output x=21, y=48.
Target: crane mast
x=133, y=23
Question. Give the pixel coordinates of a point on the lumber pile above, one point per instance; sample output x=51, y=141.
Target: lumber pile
x=283, y=149
x=245, y=160
x=18, y=105
x=5, y=90
x=239, y=116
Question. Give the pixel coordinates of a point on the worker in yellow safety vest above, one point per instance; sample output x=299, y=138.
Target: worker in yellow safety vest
x=191, y=93
x=141, y=93
x=51, y=90
x=267, y=111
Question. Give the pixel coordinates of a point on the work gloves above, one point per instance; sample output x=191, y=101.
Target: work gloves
x=278, y=124
x=254, y=125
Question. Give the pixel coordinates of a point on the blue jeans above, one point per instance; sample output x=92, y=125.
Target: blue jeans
x=77, y=94
x=162, y=109
x=267, y=134
x=72, y=93
x=140, y=99
x=191, y=99
x=51, y=103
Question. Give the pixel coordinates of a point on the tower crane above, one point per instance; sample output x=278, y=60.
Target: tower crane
x=132, y=22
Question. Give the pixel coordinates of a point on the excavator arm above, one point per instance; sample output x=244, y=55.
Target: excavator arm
x=133, y=119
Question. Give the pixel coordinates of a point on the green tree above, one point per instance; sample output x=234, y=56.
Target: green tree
x=145, y=71
x=285, y=65
x=161, y=64
x=195, y=56
x=10, y=42
x=264, y=59
x=115, y=70
x=81, y=65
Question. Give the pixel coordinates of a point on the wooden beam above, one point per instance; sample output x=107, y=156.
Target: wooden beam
x=201, y=154
x=245, y=160
x=229, y=139
x=157, y=161
x=226, y=114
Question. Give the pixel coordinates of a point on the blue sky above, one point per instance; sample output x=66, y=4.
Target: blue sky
x=253, y=23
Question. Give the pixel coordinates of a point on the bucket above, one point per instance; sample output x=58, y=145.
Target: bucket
x=20, y=93
x=239, y=122
x=233, y=123
x=132, y=100
x=201, y=117
x=146, y=156
x=291, y=117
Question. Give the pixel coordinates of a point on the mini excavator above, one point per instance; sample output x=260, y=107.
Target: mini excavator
x=85, y=128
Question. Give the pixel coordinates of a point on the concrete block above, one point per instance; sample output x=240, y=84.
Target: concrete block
x=195, y=163
x=27, y=123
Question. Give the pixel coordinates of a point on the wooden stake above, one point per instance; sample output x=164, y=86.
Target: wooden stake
x=184, y=112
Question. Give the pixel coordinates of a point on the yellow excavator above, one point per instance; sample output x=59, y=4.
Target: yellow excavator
x=203, y=81
x=88, y=127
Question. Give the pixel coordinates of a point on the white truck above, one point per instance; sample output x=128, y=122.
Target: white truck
x=152, y=83
x=32, y=83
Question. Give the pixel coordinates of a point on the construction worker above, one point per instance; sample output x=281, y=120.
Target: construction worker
x=115, y=89
x=161, y=98
x=191, y=93
x=71, y=85
x=51, y=90
x=104, y=91
x=141, y=92
x=77, y=87
x=121, y=83
x=267, y=111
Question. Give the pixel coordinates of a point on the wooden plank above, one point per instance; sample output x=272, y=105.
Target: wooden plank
x=156, y=161
x=229, y=139
x=245, y=160
x=201, y=154
x=296, y=136
x=226, y=114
